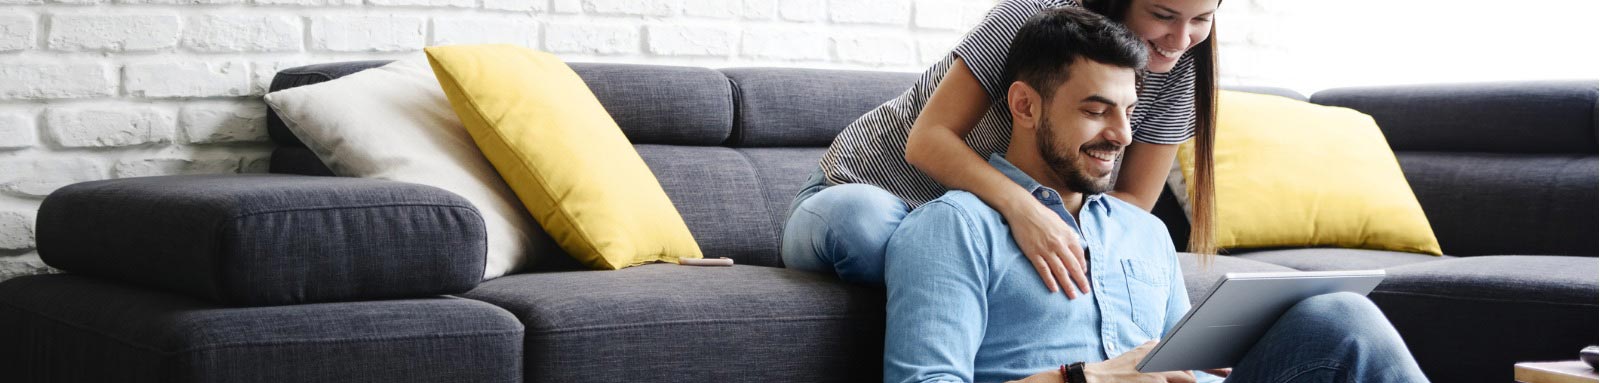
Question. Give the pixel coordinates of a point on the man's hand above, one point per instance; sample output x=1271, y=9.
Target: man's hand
x=1051, y=246
x=1052, y=376
x=1123, y=369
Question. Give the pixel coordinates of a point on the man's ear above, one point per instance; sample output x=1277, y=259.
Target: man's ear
x=1024, y=103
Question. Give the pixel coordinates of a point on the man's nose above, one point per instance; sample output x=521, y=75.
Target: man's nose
x=1120, y=131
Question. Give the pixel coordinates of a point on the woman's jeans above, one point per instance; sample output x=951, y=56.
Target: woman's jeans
x=841, y=229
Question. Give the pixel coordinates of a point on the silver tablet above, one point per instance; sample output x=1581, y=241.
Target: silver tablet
x=1221, y=328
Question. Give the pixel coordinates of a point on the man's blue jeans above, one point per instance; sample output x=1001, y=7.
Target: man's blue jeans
x=1330, y=338
x=841, y=229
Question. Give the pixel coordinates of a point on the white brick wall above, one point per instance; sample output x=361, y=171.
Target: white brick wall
x=113, y=32
x=95, y=89
x=106, y=127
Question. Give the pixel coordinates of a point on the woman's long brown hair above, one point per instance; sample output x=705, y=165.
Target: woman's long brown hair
x=1202, y=201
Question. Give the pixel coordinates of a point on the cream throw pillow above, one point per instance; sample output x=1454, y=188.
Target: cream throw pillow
x=394, y=123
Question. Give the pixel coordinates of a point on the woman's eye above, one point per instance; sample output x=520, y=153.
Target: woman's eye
x=1159, y=16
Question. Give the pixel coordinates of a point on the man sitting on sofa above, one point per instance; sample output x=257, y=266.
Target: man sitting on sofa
x=965, y=305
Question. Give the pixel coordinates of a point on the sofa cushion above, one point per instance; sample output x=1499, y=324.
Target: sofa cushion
x=781, y=171
x=1328, y=259
x=1487, y=203
x=266, y=239
x=1506, y=117
x=667, y=105
x=69, y=328
x=806, y=107
x=720, y=198
x=703, y=324
x=1470, y=319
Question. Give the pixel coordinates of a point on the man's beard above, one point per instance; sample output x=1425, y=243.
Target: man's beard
x=1068, y=166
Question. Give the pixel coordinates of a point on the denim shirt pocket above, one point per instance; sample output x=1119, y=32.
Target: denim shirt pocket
x=1148, y=286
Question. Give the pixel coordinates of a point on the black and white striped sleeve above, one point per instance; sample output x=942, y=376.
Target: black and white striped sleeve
x=1169, y=116
x=984, y=48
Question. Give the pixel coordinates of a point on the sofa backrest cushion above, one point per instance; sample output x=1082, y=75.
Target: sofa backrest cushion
x=734, y=200
x=806, y=107
x=1511, y=117
x=665, y=105
x=1496, y=204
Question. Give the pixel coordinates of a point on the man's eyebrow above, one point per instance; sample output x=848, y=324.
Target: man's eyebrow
x=1164, y=8
x=1099, y=99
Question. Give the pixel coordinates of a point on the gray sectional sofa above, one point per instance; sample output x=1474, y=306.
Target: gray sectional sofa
x=299, y=276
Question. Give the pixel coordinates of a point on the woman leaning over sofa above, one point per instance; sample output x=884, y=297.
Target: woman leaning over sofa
x=933, y=137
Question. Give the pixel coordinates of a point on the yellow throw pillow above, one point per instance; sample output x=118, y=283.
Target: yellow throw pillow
x=562, y=154
x=1295, y=174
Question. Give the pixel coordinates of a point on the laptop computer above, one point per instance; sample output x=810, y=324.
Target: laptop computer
x=1240, y=308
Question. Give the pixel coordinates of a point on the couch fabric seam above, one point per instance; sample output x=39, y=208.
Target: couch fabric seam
x=192, y=349
x=634, y=326
x=1498, y=300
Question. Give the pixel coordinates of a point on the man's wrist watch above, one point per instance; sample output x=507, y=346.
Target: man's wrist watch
x=1074, y=374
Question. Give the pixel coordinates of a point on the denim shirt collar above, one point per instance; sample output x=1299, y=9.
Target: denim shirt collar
x=1039, y=191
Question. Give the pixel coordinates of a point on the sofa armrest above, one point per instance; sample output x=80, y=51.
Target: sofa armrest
x=266, y=239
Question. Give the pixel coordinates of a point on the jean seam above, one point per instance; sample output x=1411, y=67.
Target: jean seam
x=1308, y=367
x=827, y=231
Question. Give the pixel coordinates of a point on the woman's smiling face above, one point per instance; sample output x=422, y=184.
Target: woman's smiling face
x=1170, y=27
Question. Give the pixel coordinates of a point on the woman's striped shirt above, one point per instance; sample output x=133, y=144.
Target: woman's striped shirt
x=872, y=149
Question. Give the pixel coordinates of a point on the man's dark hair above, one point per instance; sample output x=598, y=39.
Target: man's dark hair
x=1048, y=42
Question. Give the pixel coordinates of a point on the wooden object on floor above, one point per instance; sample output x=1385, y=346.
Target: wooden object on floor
x=1571, y=371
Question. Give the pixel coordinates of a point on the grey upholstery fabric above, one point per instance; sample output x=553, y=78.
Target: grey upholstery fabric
x=806, y=107
x=266, y=239
x=1328, y=259
x=1276, y=91
x=1470, y=319
x=1483, y=203
x=297, y=160
x=782, y=171
x=307, y=75
x=1199, y=278
x=720, y=198
x=69, y=328
x=665, y=105
x=693, y=324
x=1520, y=117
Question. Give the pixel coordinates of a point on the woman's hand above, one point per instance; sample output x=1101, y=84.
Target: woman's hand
x=1050, y=245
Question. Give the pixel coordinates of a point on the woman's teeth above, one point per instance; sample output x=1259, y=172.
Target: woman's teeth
x=1164, y=52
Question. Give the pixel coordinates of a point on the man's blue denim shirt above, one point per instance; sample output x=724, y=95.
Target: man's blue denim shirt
x=965, y=305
